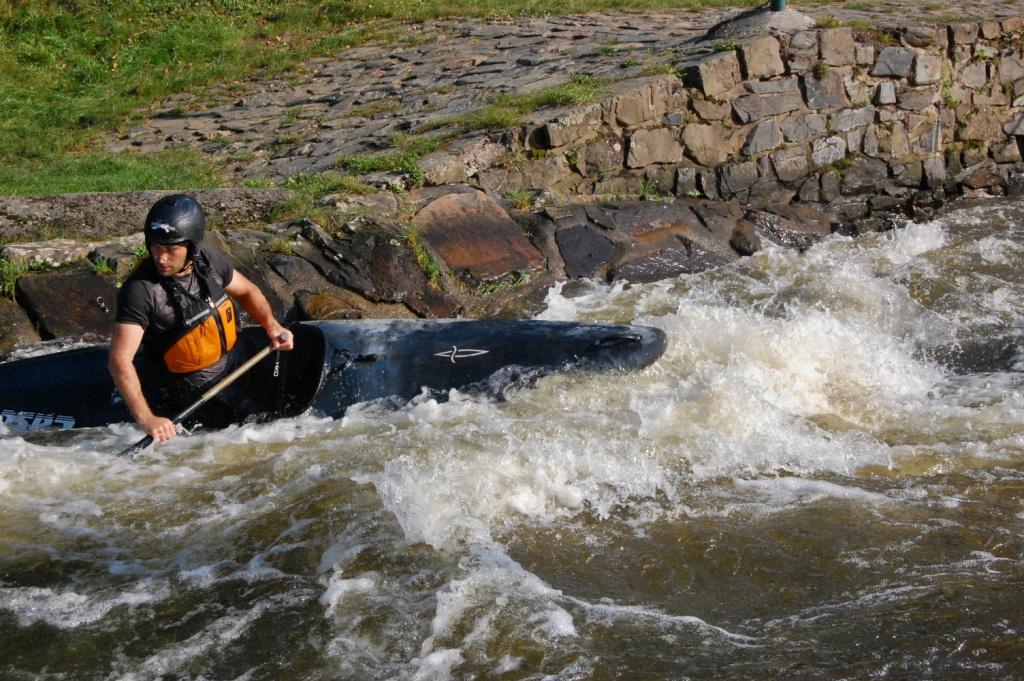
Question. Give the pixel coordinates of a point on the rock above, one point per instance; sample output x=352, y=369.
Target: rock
x=893, y=61
x=827, y=93
x=342, y=304
x=864, y=175
x=1015, y=128
x=52, y=253
x=916, y=99
x=460, y=160
x=1006, y=153
x=769, y=87
x=964, y=33
x=298, y=272
x=653, y=146
x=719, y=73
x=708, y=145
x=761, y=59
x=974, y=75
x=761, y=21
x=242, y=251
x=72, y=303
x=119, y=256
x=927, y=69
x=578, y=124
x=1011, y=68
x=475, y=238
x=982, y=125
x=734, y=179
x=15, y=328
x=750, y=108
x=666, y=263
x=801, y=127
x=766, y=135
x=791, y=164
x=744, y=239
x=584, y=250
x=711, y=111
x=793, y=226
x=828, y=151
x=886, y=93
x=837, y=47
x=853, y=118
x=919, y=36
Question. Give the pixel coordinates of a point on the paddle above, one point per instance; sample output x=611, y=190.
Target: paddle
x=206, y=396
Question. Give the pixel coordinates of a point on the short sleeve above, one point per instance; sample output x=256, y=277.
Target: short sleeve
x=134, y=305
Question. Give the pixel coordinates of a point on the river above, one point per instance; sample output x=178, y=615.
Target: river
x=823, y=478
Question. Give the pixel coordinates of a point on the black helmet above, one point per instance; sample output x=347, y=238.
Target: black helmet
x=175, y=219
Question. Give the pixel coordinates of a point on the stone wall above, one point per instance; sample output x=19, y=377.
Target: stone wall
x=859, y=123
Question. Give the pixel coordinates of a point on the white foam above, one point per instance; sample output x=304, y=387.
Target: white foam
x=437, y=666
x=66, y=609
x=788, y=490
x=339, y=589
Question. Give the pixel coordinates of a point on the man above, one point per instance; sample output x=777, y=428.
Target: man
x=176, y=306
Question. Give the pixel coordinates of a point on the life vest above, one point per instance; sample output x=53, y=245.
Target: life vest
x=206, y=329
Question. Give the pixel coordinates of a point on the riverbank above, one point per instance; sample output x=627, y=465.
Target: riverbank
x=466, y=176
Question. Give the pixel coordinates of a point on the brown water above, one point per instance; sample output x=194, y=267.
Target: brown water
x=822, y=479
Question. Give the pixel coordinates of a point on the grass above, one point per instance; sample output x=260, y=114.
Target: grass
x=310, y=187
x=406, y=162
x=12, y=270
x=280, y=245
x=70, y=72
x=423, y=259
x=506, y=111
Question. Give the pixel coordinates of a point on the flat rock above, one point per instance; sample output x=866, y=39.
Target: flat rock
x=475, y=238
x=73, y=303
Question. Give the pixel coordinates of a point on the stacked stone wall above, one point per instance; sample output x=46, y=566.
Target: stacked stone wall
x=823, y=116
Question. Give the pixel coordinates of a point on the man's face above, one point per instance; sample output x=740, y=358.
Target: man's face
x=169, y=258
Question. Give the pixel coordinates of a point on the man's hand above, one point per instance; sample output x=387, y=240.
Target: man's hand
x=280, y=337
x=160, y=428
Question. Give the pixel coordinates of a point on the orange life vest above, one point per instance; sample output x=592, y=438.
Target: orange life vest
x=206, y=330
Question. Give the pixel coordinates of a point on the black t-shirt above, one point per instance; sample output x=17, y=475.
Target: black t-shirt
x=144, y=302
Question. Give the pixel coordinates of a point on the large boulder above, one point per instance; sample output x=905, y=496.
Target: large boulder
x=473, y=237
x=71, y=303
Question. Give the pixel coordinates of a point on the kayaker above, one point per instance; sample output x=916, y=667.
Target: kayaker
x=176, y=305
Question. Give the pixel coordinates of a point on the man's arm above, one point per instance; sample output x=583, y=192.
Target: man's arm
x=256, y=305
x=123, y=346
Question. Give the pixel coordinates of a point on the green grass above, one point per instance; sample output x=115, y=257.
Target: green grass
x=11, y=271
x=507, y=111
x=423, y=259
x=70, y=72
x=309, y=187
x=395, y=162
x=101, y=172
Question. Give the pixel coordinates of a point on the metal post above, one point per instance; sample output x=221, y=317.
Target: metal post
x=778, y=5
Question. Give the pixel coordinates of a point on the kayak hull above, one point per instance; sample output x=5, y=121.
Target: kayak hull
x=337, y=364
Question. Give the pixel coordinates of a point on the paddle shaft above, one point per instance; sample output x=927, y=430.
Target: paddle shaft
x=206, y=396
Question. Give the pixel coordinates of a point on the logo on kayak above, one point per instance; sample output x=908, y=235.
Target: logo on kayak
x=460, y=353
x=18, y=421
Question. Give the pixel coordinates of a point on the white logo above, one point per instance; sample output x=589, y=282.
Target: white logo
x=161, y=227
x=460, y=353
x=18, y=421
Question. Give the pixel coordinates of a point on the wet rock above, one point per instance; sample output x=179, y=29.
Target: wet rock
x=584, y=250
x=74, y=302
x=864, y=175
x=670, y=262
x=744, y=239
x=473, y=236
x=15, y=328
